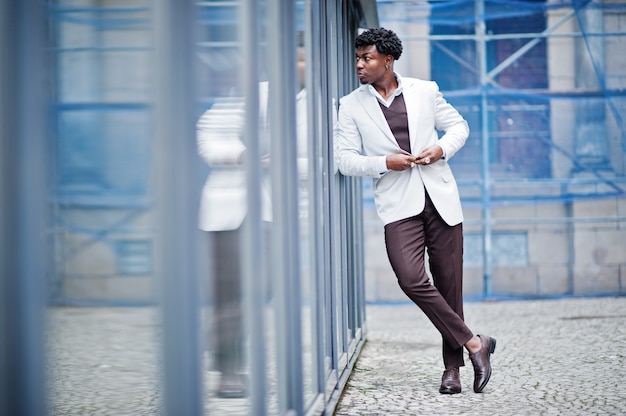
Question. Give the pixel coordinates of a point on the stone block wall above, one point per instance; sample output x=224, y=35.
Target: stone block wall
x=538, y=250
x=103, y=256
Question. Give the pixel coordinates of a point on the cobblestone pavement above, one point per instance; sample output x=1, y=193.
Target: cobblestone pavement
x=565, y=357
x=105, y=362
x=556, y=357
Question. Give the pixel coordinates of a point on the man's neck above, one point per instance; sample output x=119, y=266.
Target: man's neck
x=386, y=86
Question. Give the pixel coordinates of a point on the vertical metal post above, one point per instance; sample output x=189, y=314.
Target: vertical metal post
x=317, y=95
x=253, y=233
x=481, y=48
x=23, y=192
x=337, y=209
x=282, y=92
x=177, y=207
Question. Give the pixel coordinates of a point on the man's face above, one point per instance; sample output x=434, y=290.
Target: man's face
x=370, y=65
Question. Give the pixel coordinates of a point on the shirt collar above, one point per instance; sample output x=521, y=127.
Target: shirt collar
x=397, y=92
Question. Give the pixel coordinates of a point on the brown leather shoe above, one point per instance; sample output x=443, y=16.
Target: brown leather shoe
x=450, y=382
x=232, y=386
x=481, y=362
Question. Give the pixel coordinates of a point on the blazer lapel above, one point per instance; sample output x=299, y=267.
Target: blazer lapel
x=411, y=100
x=372, y=109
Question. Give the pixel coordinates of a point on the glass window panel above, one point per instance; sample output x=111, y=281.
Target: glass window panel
x=103, y=152
x=223, y=210
x=102, y=359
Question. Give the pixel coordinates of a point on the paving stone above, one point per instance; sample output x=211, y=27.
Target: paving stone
x=564, y=356
x=553, y=357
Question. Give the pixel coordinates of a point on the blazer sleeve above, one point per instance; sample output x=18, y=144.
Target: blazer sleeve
x=448, y=120
x=218, y=134
x=348, y=146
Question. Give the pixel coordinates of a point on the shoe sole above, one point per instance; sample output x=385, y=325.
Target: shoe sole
x=492, y=348
x=237, y=395
x=449, y=391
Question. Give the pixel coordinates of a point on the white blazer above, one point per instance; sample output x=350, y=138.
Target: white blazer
x=363, y=140
x=223, y=202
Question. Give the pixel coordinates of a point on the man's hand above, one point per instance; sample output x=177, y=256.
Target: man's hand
x=400, y=161
x=429, y=155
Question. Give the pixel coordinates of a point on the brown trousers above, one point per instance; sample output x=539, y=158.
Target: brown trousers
x=227, y=332
x=441, y=301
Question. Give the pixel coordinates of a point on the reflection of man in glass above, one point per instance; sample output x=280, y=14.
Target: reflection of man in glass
x=223, y=213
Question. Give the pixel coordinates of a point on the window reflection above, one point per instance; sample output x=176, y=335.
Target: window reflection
x=305, y=139
x=106, y=244
x=223, y=210
x=222, y=213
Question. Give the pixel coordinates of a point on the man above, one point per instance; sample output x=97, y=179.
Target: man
x=387, y=129
x=223, y=213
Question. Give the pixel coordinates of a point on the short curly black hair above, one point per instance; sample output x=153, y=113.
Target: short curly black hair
x=386, y=41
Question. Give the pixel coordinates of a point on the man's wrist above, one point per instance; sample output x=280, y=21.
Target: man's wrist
x=443, y=151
